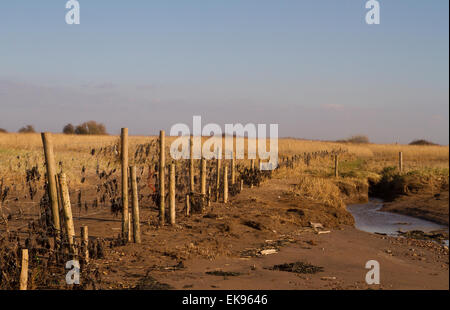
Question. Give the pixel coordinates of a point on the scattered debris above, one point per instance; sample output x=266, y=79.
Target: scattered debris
x=298, y=267
x=269, y=251
x=223, y=273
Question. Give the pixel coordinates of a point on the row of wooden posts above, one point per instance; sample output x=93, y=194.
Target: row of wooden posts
x=59, y=194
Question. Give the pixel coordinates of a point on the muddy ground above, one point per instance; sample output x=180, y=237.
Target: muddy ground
x=431, y=207
x=236, y=246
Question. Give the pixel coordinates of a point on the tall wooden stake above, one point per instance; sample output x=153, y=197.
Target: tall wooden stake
x=400, y=161
x=124, y=166
x=233, y=170
x=67, y=211
x=218, y=165
x=162, y=168
x=191, y=164
x=135, y=200
x=24, y=271
x=85, y=243
x=336, y=166
x=188, y=205
x=225, y=184
x=172, y=195
x=51, y=178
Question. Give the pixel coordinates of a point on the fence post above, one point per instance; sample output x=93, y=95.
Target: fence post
x=130, y=227
x=51, y=178
x=135, y=200
x=233, y=170
x=124, y=168
x=67, y=210
x=24, y=271
x=218, y=165
x=225, y=184
x=191, y=164
x=188, y=205
x=336, y=166
x=162, y=167
x=172, y=195
x=241, y=185
x=85, y=243
x=252, y=167
x=400, y=161
x=209, y=196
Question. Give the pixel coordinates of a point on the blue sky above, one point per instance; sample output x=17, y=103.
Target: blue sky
x=314, y=67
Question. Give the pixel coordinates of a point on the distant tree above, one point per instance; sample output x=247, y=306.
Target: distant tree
x=422, y=142
x=3, y=130
x=358, y=139
x=27, y=129
x=91, y=128
x=69, y=129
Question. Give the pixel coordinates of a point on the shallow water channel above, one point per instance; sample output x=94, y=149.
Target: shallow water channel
x=368, y=217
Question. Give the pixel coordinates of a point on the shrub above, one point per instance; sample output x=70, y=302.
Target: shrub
x=27, y=129
x=358, y=139
x=3, y=130
x=422, y=142
x=69, y=129
x=91, y=128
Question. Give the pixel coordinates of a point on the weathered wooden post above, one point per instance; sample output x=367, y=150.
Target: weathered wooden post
x=130, y=227
x=188, y=205
x=191, y=164
x=225, y=184
x=51, y=178
x=203, y=177
x=252, y=167
x=67, y=211
x=336, y=166
x=172, y=212
x=85, y=243
x=241, y=185
x=135, y=200
x=209, y=196
x=400, y=161
x=218, y=165
x=162, y=168
x=124, y=168
x=24, y=271
x=233, y=170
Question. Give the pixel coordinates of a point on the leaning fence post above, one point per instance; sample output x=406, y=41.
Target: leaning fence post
x=191, y=164
x=135, y=200
x=51, y=178
x=162, y=167
x=336, y=166
x=124, y=168
x=225, y=184
x=24, y=271
x=400, y=161
x=85, y=243
x=67, y=210
x=172, y=195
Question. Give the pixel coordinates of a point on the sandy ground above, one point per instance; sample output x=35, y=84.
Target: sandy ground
x=230, y=238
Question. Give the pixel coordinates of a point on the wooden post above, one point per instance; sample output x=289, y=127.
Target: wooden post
x=225, y=184
x=67, y=210
x=188, y=205
x=252, y=167
x=85, y=243
x=130, y=227
x=233, y=170
x=51, y=178
x=209, y=196
x=172, y=195
x=162, y=168
x=400, y=161
x=135, y=200
x=336, y=166
x=124, y=166
x=218, y=165
x=24, y=271
x=203, y=177
x=191, y=164
x=241, y=185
